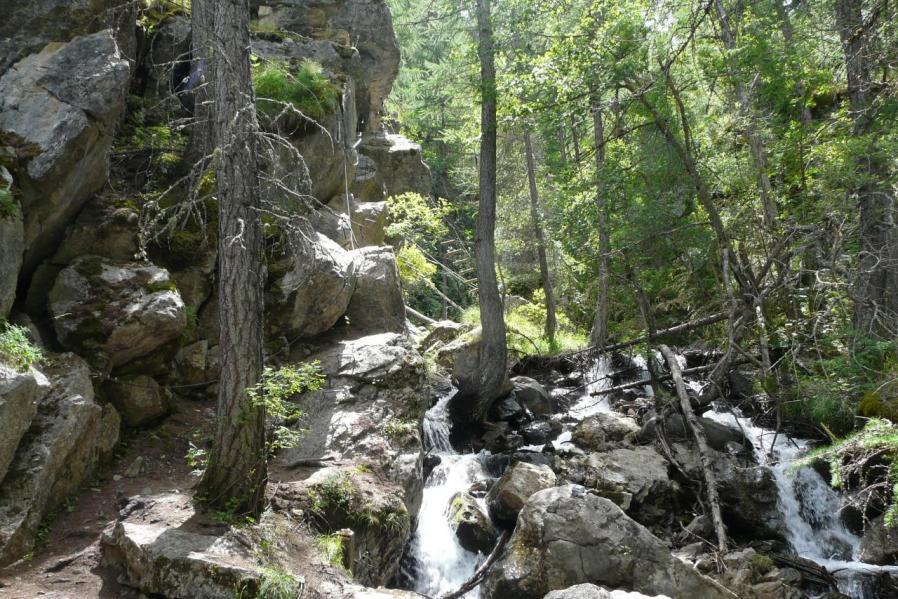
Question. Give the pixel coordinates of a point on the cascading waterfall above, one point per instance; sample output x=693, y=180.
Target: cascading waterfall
x=441, y=564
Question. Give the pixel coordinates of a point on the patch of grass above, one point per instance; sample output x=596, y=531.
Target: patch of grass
x=8, y=205
x=163, y=285
x=332, y=548
x=17, y=349
x=399, y=430
x=277, y=583
x=307, y=88
x=525, y=329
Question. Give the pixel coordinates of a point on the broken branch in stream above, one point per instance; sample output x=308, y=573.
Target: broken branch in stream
x=686, y=326
x=698, y=433
x=481, y=572
x=662, y=377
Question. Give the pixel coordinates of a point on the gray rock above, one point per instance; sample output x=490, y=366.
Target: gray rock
x=70, y=434
x=566, y=536
x=163, y=558
x=541, y=431
x=139, y=399
x=20, y=394
x=376, y=305
x=636, y=479
x=440, y=333
x=316, y=289
x=879, y=545
x=367, y=220
x=29, y=26
x=367, y=185
x=120, y=311
x=604, y=427
x=371, y=408
x=591, y=591
x=65, y=102
x=472, y=526
x=399, y=164
x=532, y=395
x=12, y=247
x=510, y=493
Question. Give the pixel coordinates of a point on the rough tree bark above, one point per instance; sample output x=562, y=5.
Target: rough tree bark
x=201, y=22
x=876, y=302
x=551, y=322
x=599, y=334
x=235, y=475
x=493, y=351
x=698, y=432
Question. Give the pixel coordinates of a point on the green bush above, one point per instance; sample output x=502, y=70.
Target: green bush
x=307, y=88
x=525, y=329
x=16, y=348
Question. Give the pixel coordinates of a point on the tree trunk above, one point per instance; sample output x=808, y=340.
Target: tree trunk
x=201, y=22
x=235, y=475
x=493, y=351
x=575, y=138
x=876, y=302
x=551, y=323
x=746, y=111
x=599, y=334
x=702, y=444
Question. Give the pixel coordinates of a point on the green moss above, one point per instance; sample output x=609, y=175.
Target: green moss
x=761, y=564
x=164, y=285
x=306, y=87
x=399, y=430
x=8, y=205
x=90, y=267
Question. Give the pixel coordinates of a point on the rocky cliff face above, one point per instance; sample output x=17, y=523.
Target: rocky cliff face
x=88, y=126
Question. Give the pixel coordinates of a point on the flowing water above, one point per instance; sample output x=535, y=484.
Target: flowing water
x=441, y=565
x=809, y=506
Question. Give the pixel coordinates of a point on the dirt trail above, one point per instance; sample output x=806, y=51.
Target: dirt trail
x=67, y=563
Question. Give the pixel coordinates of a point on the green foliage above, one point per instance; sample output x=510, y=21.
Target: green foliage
x=414, y=267
x=277, y=583
x=845, y=382
x=332, y=547
x=277, y=393
x=525, y=327
x=412, y=218
x=400, y=431
x=16, y=349
x=196, y=459
x=864, y=459
x=307, y=88
x=8, y=205
x=152, y=13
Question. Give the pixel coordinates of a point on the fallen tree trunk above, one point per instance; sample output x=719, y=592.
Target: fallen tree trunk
x=686, y=326
x=481, y=572
x=663, y=377
x=699, y=434
x=418, y=316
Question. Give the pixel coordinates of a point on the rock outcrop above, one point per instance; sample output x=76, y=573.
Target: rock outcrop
x=511, y=492
x=591, y=591
x=879, y=545
x=20, y=394
x=69, y=435
x=63, y=104
x=472, y=525
x=316, y=288
x=12, y=248
x=566, y=536
x=398, y=164
x=377, y=304
x=139, y=400
x=115, y=311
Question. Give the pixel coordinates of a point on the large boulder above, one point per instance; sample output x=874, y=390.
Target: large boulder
x=567, y=536
x=591, y=591
x=376, y=305
x=400, y=168
x=12, y=247
x=532, y=395
x=63, y=104
x=115, y=311
x=20, y=394
x=471, y=524
x=595, y=432
x=365, y=25
x=879, y=545
x=139, y=399
x=368, y=186
x=371, y=409
x=315, y=289
x=68, y=437
x=28, y=26
x=634, y=478
x=508, y=496
x=366, y=219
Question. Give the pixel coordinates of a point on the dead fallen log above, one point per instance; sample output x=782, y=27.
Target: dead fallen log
x=686, y=326
x=698, y=432
x=419, y=317
x=662, y=377
x=481, y=572
x=813, y=572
